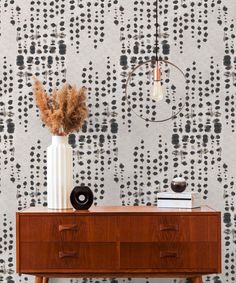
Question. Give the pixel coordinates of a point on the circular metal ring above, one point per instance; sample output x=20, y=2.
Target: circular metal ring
x=127, y=83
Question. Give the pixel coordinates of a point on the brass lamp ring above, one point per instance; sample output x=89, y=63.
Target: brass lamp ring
x=127, y=84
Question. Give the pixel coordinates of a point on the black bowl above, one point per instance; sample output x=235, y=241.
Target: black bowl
x=178, y=185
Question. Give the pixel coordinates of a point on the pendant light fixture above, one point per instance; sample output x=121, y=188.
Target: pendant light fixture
x=157, y=92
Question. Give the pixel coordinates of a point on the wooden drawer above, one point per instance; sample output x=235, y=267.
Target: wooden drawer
x=168, y=228
x=68, y=228
x=169, y=256
x=53, y=256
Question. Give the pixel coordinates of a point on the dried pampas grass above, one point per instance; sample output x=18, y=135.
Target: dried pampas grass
x=64, y=111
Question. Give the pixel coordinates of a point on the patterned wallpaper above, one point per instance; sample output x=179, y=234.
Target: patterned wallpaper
x=124, y=159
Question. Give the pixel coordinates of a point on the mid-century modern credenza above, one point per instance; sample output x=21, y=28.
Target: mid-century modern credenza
x=119, y=242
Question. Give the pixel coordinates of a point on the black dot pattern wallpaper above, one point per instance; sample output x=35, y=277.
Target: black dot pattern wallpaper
x=124, y=158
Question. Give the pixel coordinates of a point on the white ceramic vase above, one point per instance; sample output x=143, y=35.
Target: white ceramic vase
x=59, y=173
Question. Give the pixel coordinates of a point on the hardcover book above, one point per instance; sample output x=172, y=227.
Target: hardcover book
x=179, y=200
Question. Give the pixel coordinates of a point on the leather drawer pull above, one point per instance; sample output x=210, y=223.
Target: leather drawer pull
x=164, y=227
x=168, y=254
x=67, y=254
x=67, y=227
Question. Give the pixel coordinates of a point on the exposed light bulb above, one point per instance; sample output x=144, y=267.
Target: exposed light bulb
x=157, y=90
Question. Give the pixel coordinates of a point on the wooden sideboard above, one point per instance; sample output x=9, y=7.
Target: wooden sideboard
x=119, y=242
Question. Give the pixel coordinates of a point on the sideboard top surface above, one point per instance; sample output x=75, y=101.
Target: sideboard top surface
x=121, y=210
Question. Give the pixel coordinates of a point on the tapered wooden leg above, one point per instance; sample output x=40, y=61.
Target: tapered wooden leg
x=196, y=280
x=45, y=280
x=38, y=279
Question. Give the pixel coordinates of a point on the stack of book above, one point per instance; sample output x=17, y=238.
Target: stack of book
x=179, y=200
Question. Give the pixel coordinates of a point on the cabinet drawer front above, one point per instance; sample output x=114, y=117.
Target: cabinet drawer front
x=168, y=228
x=167, y=256
x=68, y=228
x=79, y=256
x=138, y=255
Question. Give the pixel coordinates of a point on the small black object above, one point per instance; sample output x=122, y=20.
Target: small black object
x=81, y=197
x=178, y=185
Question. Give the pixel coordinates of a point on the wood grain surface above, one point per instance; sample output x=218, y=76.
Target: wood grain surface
x=119, y=242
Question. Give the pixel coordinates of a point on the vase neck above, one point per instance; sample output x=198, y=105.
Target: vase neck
x=59, y=140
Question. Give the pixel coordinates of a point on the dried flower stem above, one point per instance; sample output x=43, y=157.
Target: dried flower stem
x=64, y=111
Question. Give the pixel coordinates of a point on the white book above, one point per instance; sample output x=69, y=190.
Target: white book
x=179, y=200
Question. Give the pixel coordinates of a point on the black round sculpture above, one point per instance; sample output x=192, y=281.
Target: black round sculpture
x=81, y=198
x=178, y=185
